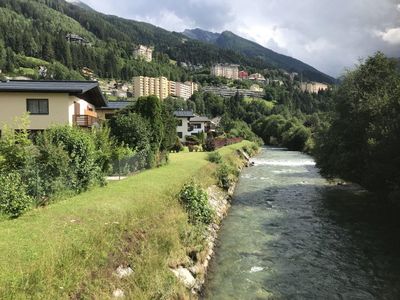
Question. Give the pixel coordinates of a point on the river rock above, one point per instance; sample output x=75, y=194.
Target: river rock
x=118, y=293
x=122, y=272
x=185, y=277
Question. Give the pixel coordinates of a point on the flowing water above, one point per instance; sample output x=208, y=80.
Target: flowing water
x=291, y=235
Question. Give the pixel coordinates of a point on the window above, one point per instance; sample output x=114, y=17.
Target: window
x=180, y=135
x=196, y=126
x=179, y=122
x=37, y=106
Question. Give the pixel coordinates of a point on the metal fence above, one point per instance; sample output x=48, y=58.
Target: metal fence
x=130, y=164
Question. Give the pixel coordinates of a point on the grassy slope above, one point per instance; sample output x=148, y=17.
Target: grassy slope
x=70, y=249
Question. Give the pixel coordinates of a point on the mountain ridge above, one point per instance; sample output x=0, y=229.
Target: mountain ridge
x=232, y=41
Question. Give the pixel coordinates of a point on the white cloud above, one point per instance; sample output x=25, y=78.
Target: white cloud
x=391, y=36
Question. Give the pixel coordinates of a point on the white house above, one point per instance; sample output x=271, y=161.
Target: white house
x=189, y=123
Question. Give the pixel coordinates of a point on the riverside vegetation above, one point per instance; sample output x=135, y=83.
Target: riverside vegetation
x=71, y=249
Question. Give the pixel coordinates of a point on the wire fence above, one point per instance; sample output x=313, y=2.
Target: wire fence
x=129, y=165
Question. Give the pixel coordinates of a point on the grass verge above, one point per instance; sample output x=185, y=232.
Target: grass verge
x=70, y=249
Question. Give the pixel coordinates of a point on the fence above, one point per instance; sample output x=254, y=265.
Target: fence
x=130, y=164
x=222, y=142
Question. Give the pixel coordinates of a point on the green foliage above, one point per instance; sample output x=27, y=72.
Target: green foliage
x=148, y=125
x=296, y=138
x=81, y=149
x=226, y=176
x=363, y=141
x=13, y=198
x=177, y=147
x=195, y=201
x=131, y=129
x=209, y=144
x=214, y=157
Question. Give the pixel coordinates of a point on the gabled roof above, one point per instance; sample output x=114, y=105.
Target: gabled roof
x=184, y=114
x=87, y=90
x=117, y=104
x=200, y=119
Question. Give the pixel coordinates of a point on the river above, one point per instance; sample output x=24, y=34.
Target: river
x=291, y=235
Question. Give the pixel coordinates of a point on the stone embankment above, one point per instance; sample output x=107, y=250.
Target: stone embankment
x=193, y=274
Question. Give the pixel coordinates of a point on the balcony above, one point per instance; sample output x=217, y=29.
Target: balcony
x=85, y=120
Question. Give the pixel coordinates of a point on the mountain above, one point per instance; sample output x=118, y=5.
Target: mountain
x=79, y=4
x=230, y=41
x=37, y=29
x=202, y=35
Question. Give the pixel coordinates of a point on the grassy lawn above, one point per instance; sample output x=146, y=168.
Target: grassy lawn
x=71, y=248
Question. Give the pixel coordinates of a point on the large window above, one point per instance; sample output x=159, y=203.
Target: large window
x=37, y=106
x=179, y=122
x=180, y=135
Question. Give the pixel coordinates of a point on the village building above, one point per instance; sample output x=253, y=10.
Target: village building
x=257, y=77
x=313, y=87
x=229, y=71
x=77, y=39
x=143, y=52
x=243, y=75
x=50, y=102
x=189, y=124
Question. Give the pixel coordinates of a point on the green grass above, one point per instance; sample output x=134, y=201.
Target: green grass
x=267, y=104
x=70, y=249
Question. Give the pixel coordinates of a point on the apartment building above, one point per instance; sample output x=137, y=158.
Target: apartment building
x=313, y=87
x=162, y=87
x=143, y=52
x=225, y=70
x=146, y=86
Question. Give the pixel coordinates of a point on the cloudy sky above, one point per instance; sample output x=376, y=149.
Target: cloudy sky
x=330, y=35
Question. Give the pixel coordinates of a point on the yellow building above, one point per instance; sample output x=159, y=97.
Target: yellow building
x=143, y=52
x=162, y=87
x=50, y=102
x=313, y=87
x=225, y=70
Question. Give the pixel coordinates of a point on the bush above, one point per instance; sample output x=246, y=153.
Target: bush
x=177, y=147
x=225, y=176
x=209, y=144
x=195, y=201
x=192, y=139
x=296, y=137
x=13, y=198
x=80, y=147
x=214, y=157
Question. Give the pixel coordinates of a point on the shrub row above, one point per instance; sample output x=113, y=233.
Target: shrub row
x=61, y=160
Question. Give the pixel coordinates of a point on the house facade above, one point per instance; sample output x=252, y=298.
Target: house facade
x=50, y=102
x=189, y=124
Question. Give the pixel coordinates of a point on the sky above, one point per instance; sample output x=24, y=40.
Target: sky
x=330, y=35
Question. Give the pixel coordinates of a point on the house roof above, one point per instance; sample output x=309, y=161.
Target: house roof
x=117, y=104
x=184, y=114
x=87, y=90
x=200, y=119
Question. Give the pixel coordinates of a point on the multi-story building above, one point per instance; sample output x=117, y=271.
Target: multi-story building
x=162, y=87
x=225, y=70
x=313, y=87
x=143, y=52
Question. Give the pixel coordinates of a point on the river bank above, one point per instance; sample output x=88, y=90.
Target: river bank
x=84, y=246
x=194, y=271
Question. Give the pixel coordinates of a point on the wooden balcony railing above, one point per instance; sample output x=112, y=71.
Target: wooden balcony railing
x=84, y=120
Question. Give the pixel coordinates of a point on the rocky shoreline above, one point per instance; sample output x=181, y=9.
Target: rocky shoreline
x=193, y=276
